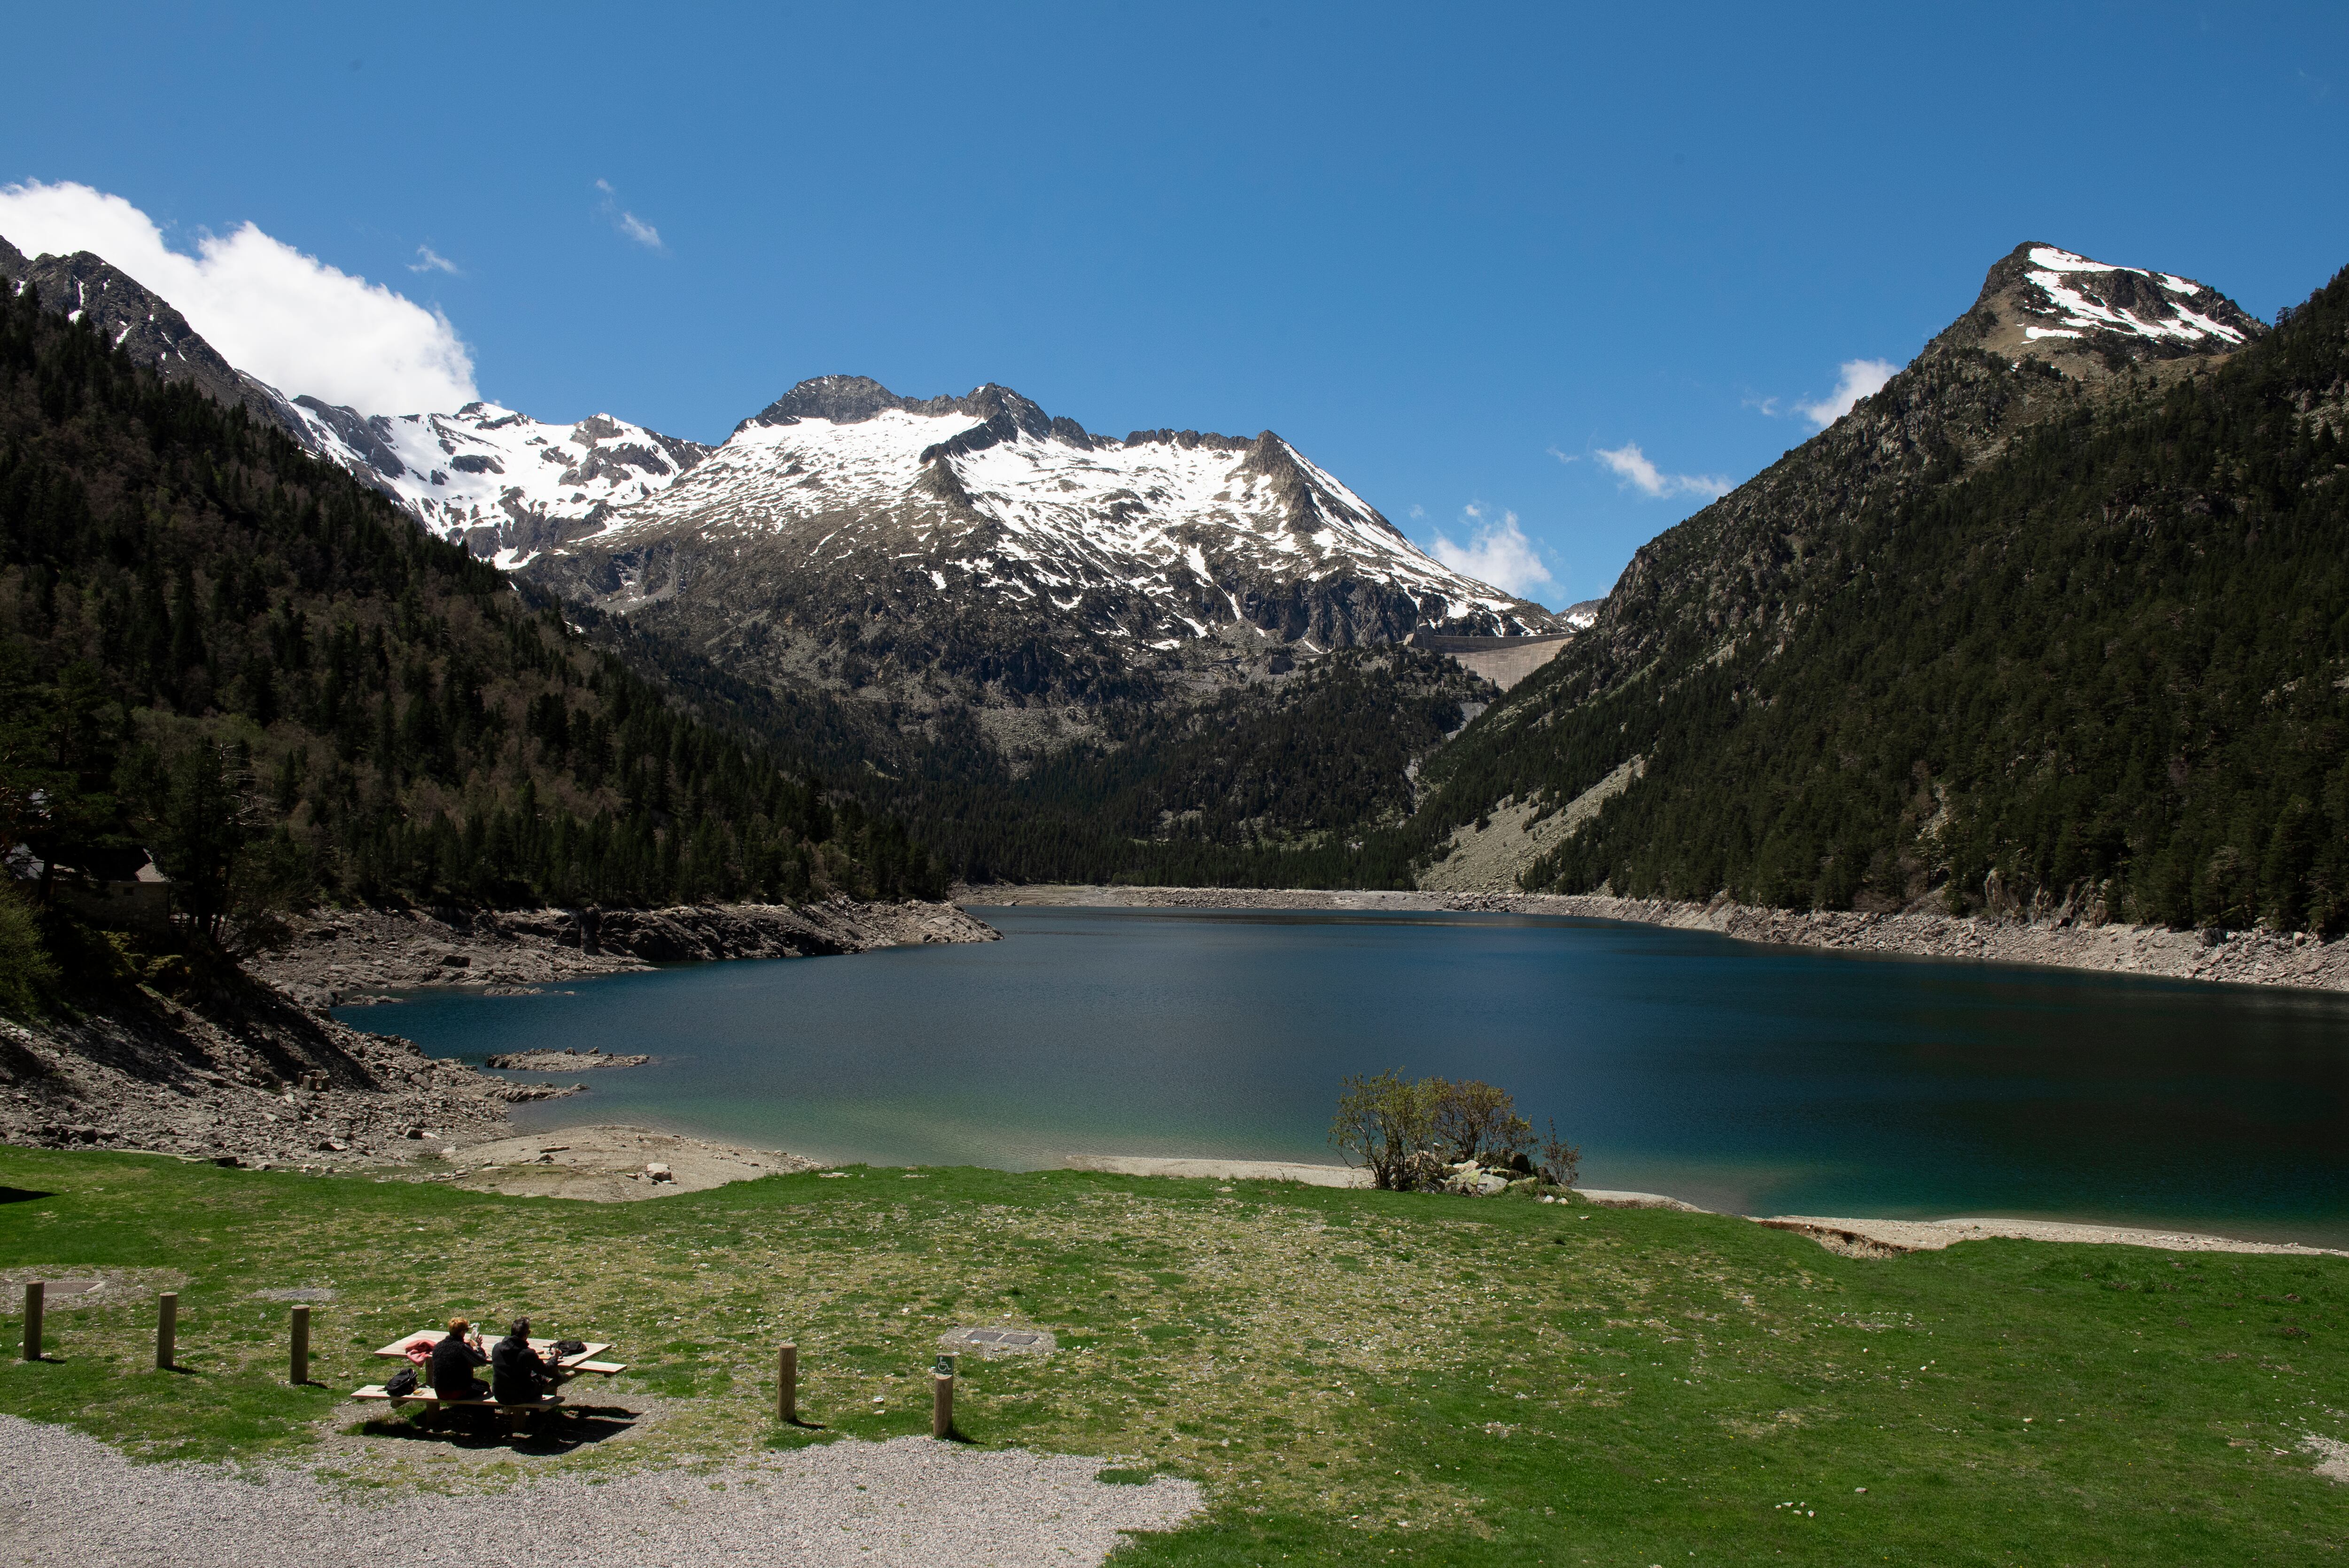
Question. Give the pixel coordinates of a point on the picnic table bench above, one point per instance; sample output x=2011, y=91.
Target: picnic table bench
x=584, y=1360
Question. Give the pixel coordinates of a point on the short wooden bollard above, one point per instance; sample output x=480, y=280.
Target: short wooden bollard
x=942, y=1403
x=166, y=1330
x=297, y=1366
x=34, y=1291
x=787, y=1386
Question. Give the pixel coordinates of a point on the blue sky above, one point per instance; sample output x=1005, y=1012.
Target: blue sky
x=1455, y=254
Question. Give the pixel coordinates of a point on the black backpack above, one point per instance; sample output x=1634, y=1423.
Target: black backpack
x=569, y=1348
x=402, y=1382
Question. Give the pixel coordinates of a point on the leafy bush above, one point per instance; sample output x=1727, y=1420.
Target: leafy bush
x=1407, y=1133
x=1385, y=1123
x=1475, y=1121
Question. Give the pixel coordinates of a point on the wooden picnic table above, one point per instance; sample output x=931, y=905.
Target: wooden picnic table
x=577, y=1361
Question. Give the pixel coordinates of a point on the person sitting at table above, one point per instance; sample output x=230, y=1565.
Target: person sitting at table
x=518, y=1373
x=453, y=1360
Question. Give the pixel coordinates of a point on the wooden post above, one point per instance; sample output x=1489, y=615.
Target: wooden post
x=787, y=1386
x=298, y=1364
x=941, y=1403
x=34, y=1290
x=166, y=1330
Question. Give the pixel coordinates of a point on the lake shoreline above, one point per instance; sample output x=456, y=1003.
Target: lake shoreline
x=337, y=957
x=1755, y=1081
x=2228, y=958
x=605, y=1164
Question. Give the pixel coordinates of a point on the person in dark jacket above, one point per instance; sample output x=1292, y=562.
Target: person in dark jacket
x=453, y=1360
x=517, y=1373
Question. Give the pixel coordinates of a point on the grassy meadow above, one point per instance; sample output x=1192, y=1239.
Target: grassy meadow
x=1352, y=1376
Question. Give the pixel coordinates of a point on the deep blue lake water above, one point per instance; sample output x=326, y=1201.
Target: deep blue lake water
x=1741, y=1077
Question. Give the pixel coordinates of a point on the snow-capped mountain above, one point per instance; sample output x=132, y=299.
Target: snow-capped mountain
x=996, y=496
x=854, y=537
x=503, y=484
x=848, y=530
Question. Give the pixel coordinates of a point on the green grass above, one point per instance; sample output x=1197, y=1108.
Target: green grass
x=1353, y=1376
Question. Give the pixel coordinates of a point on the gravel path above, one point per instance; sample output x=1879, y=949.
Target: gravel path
x=67, y=1498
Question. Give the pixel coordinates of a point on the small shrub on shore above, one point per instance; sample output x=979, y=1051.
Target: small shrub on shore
x=1475, y=1121
x=1408, y=1134
x=1385, y=1124
x=1560, y=1162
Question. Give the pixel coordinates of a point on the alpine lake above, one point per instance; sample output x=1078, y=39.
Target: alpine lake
x=1745, y=1079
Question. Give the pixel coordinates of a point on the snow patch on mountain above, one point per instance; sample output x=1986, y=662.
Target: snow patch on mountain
x=498, y=480
x=2081, y=306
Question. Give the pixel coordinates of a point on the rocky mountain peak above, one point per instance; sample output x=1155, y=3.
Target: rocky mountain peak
x=992, y=402
x=842, y=399
x=999, y=413
x=143, y=324
x=2046, y=302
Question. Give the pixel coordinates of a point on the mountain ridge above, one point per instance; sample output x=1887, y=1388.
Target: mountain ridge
x=925, y=554
x=2044, y=628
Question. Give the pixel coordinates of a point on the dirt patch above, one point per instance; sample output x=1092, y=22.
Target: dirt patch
x=1221, y=1169
x=613, y=1164
x=2332, y=1456
x=1891, y=1238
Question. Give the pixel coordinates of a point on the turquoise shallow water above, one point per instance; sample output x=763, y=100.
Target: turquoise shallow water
x=1753, y=1078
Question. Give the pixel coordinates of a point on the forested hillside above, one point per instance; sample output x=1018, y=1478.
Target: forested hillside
x=216, y=648
x=1296, y=782
x=2094, y=662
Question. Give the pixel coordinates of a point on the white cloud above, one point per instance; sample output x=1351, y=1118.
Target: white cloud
x=1564, y=457
x=1499, y=553
x=627, y=222
x=291, y=319
x=1631, y=466
x=429, y=260
x=1860, y=379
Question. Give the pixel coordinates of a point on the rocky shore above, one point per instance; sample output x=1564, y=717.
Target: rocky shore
x=2231, y=957
x=246, y=1064
x=337, y=956
x=251, y=1079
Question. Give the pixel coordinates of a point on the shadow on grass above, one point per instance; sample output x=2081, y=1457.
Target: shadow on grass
x=552, y=1432
x=1127, y=1475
